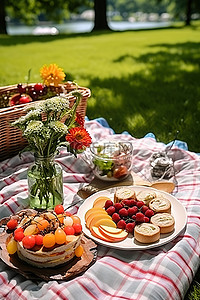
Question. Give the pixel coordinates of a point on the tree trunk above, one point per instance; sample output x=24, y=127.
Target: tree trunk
x=100, y=17
x=188, y=12
x=3, y=29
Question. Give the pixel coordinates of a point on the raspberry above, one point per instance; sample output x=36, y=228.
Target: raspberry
x=139, y=217
x=130, y=227
x=144, y=208
x=108, y=203
x=149, y=213
x=132, y=202
x=126, y=202
x=121, y=224
x=132, y=211
x=146, y=219
x=134, y=217
x=140, y=204
x=110, y=210
x=123, y=212
x=118, y=206
x=116, y=217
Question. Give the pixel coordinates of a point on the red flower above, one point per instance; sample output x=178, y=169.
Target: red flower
x=79, y=119
x=78, y=138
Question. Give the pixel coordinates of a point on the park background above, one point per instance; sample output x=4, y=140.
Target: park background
x=142, y=79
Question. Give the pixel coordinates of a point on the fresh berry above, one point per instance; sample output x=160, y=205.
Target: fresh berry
x=134, y=217
x=132, y=202
x=140, y=217
x=146, y=219
x=18, y=236
x=110, y=210
x=33, y=94
x=21, y=89
x=49, y=240
x=11, y=246
x=130, y=227
x=116, y=217
x=59, y=209
x=108, y=203
x=24, y=99
x=140, y=204
x=126, y=202
x=118, y=206
x=12, y=224
x=123, y=212
x=149, y=213
x=60, y=236
x=28, y=241
x=38, y=87
x=144, y=208
x=77, y=228
x=132, y=210
x=38, y=239
x=121, y=224
x=19, y=229
x=69, y=230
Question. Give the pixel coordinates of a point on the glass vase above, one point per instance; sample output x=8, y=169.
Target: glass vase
x=45, y=183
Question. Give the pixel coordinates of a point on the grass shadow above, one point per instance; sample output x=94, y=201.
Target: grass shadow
x=162, y=98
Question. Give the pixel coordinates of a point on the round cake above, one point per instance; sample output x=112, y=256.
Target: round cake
x=45, y=239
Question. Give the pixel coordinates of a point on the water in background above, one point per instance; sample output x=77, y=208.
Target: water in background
x=79, y=27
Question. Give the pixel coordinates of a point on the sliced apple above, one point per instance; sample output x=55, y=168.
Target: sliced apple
x=97, y=218
x=94, y=214
x=106, y=222
x=109, y=228
x=113, y=236
x=100, y=201
x=92, y=211
x=96, y=233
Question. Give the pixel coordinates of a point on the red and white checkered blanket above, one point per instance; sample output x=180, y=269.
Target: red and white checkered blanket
x=161, y=273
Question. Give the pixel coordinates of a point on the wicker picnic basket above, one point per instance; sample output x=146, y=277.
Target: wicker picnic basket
x=11, y=140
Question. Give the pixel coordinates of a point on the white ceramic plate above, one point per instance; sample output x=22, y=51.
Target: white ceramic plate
x=177, y=210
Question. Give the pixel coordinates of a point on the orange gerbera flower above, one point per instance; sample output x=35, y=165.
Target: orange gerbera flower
x=52, y=74
x=78, y=138
x=79, y=119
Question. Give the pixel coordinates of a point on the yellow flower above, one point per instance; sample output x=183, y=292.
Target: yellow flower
x=52, y=74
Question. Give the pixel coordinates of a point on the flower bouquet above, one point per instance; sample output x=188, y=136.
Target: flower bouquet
x=48, y=125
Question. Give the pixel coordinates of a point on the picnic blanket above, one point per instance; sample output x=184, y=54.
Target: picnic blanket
x=159, y=273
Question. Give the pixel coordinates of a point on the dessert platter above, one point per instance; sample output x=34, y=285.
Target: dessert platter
x=46, y=245
x=132, y=217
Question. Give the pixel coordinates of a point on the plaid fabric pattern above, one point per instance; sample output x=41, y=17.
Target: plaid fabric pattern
x=155, y=274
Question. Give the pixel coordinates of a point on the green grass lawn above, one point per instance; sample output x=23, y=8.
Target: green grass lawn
x=141, y=81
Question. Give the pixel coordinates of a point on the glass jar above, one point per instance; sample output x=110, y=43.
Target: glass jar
x=45, y=183
x=111, y=160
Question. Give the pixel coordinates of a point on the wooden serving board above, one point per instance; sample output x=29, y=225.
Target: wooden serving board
x=68, y=271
